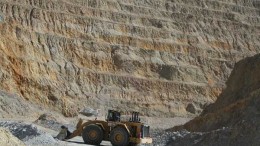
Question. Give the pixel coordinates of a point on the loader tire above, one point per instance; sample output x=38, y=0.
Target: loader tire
x=119, y=137
x=92, y=134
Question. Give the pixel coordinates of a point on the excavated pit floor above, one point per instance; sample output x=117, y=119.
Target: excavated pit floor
x=41, y=133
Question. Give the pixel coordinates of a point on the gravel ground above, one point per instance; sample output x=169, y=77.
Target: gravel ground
x=163, y=138
x=40, y=140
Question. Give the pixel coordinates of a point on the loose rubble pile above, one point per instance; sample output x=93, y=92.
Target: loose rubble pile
x=7, y=139
x=162, y=138
x=48, y=121
x=234, y=118
x=28, y=133
x=186, y=138
x=20, y=130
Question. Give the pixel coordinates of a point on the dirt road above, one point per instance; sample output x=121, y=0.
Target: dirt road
x=77, y=141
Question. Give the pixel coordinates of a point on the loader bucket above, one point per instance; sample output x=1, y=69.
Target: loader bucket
x=63, y=133
x=76, y=132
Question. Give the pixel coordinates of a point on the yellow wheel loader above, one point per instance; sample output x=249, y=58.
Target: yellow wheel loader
x=119, y=133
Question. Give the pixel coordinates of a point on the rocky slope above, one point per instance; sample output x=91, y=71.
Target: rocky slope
x=160, y=57
x=234, y=119
x=6, y=138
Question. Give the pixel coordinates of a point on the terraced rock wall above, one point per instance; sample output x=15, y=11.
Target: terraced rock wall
x=159, y=57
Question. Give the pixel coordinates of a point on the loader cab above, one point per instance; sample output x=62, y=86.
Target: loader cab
x=113, y=116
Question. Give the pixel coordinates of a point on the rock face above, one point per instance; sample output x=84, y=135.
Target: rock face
x=234, y=118
x=153, y=56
